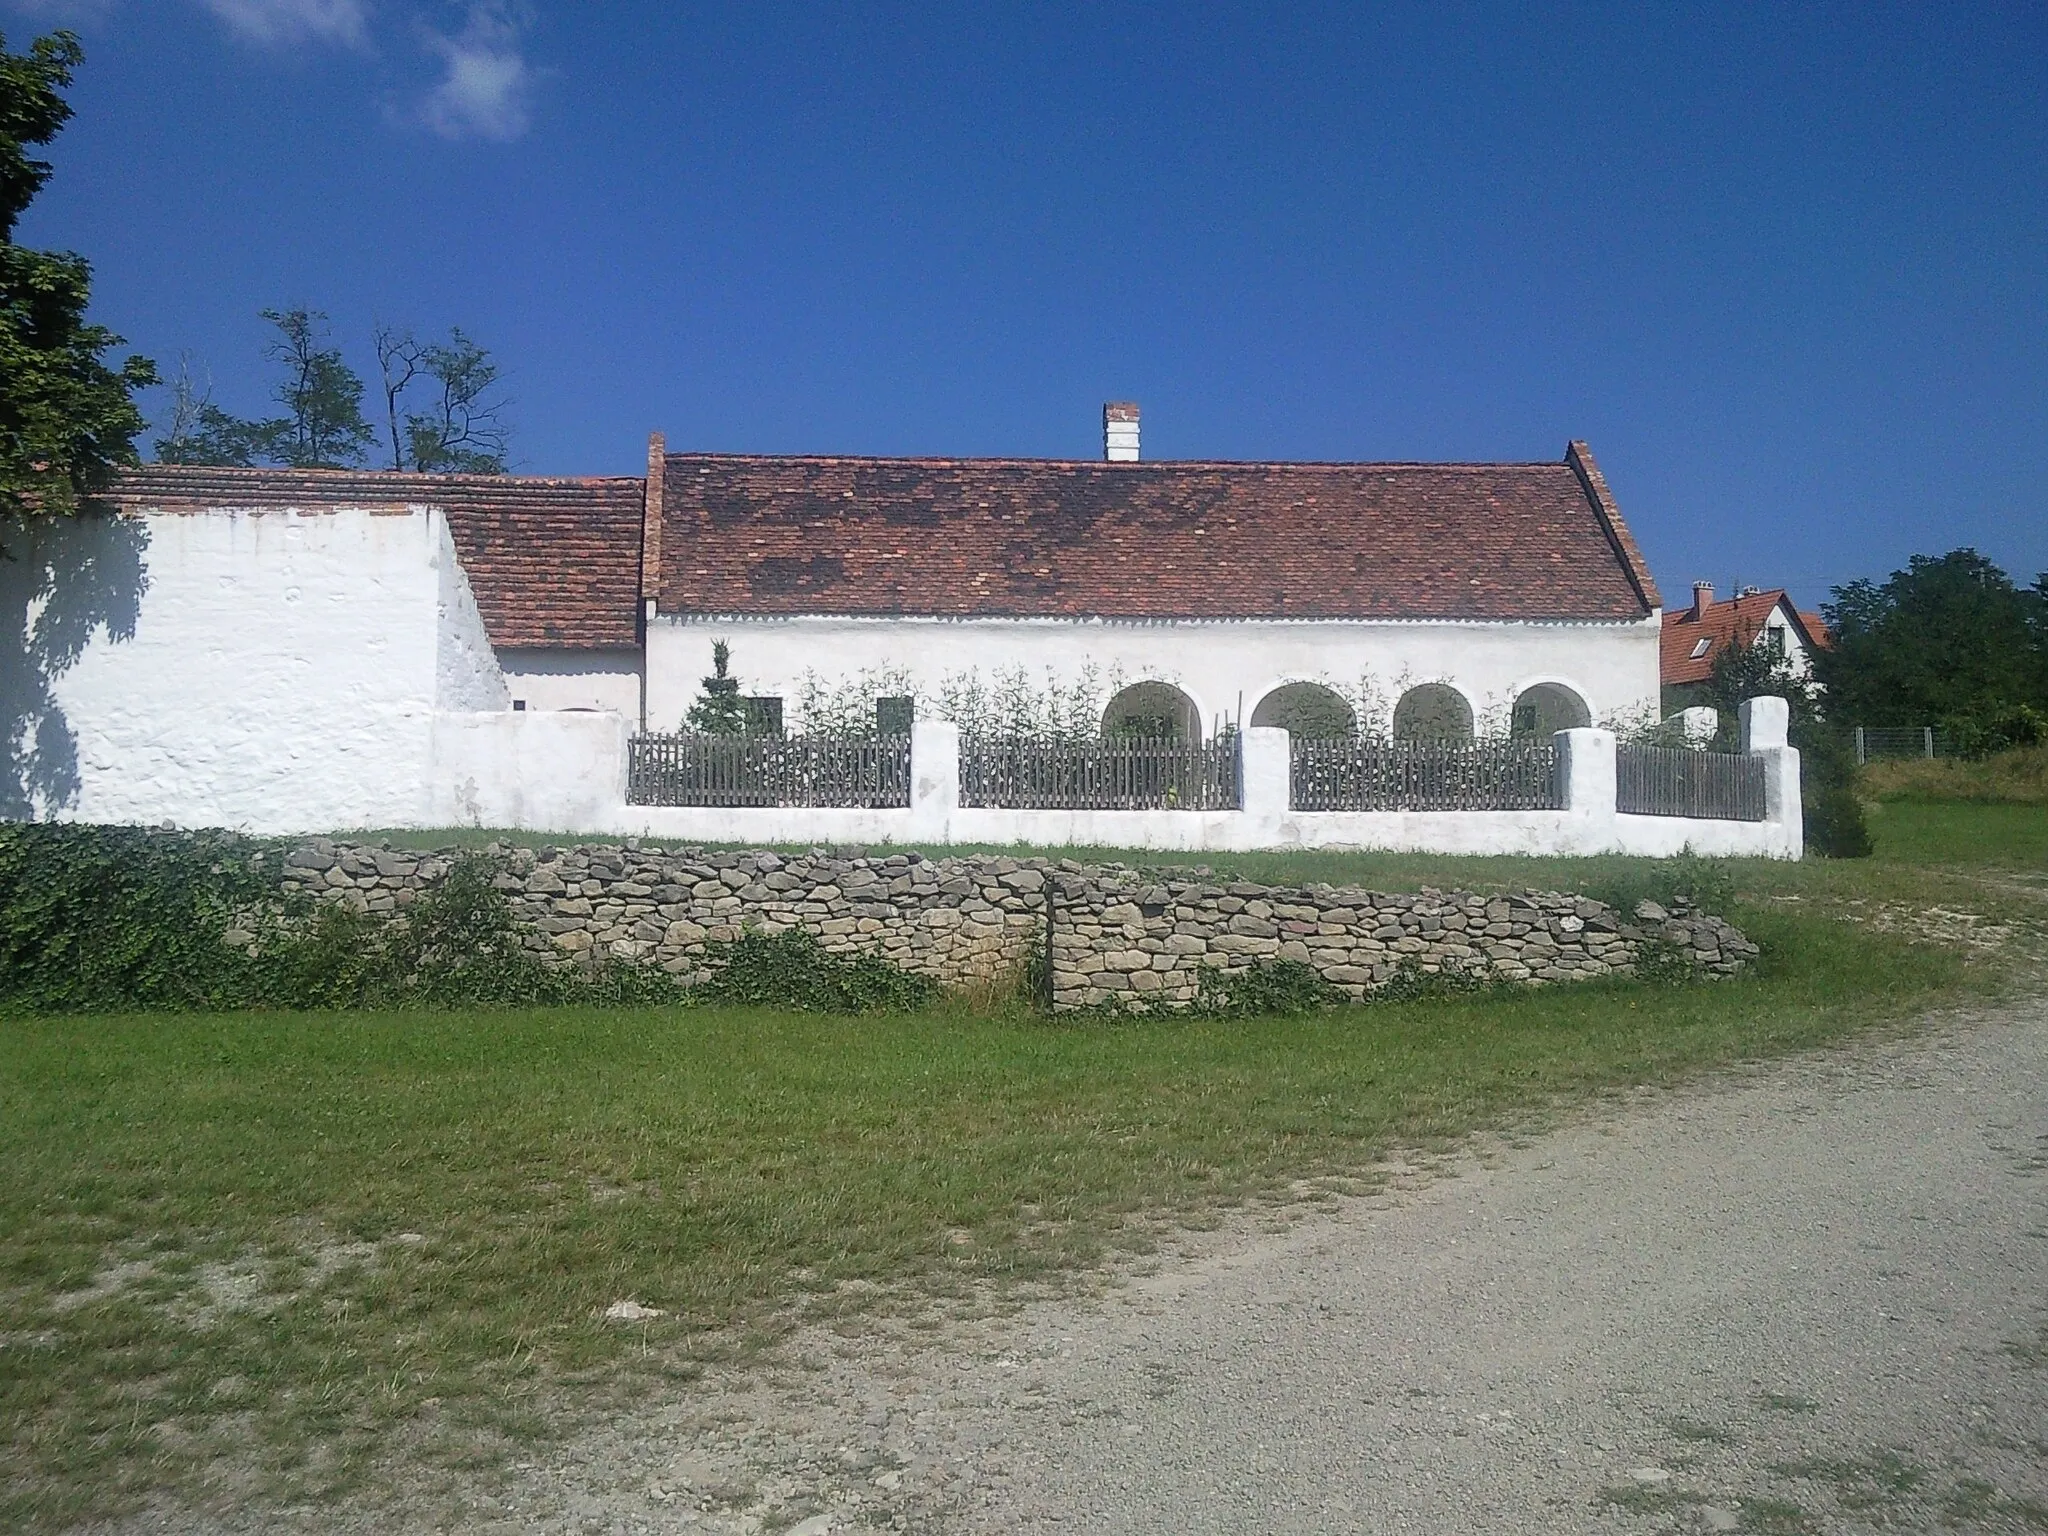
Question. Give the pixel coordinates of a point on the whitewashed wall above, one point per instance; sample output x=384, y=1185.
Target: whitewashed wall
x=1588, y=823
x=566, y=679
x=276, y=671
x=1225, y=667
x=559, y=771
x=466, y=672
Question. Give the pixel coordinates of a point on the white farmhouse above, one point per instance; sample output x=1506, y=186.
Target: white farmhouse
x=285, y=651
x=1438, y=599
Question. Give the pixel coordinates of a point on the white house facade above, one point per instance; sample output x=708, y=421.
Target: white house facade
x=1488, y=587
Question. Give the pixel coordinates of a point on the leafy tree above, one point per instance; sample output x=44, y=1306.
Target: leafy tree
x=323, y=427
x=1754, y=671
x=721, y=711
x=200, y=432
x=463, y=428
x=1949, y=640
x=67, y=419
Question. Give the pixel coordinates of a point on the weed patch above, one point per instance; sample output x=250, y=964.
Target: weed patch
x=792, y=969
x=1775, y=1517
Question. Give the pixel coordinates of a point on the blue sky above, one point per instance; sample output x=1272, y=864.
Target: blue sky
x=1785, y=267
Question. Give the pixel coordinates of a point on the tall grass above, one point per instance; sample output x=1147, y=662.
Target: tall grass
x=2015, y=777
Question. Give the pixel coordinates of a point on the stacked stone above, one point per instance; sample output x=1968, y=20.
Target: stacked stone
x=1146, y=945
x=957, y=920
x=1117, y=936
x=368, y=879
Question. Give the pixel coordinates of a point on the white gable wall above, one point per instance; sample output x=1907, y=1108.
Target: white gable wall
x=1798, y=660
x=279, y=669
x=1225, y=667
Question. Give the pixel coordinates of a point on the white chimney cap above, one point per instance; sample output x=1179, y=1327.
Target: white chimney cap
x=1120, y=432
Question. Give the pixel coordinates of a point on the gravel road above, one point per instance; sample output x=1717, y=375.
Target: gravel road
x=1811, y=1296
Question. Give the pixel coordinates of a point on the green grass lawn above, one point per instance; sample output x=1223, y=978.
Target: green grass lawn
x=240, y=1255
x=1936, y=832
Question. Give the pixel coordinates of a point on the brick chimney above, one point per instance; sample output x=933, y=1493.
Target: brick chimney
x=1702, y=598
x=1120, y=432
x=650, y=524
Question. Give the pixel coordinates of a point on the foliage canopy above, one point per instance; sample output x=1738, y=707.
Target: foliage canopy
x=68, y=420
x=1951, y=640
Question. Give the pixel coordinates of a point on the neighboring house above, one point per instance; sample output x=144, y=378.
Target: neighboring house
x=1694, y=637
x=285, y=650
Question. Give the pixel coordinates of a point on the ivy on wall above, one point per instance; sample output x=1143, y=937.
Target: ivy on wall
x=123, y=919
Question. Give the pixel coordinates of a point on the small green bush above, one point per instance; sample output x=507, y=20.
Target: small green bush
x=1266, y=989
x=1833, y=811
x=104, y=919
x=1684, y=880
x=793, y=970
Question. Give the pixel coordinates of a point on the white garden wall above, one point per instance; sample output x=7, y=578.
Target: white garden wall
x=1225, y=667
x=1589, y=824
x=560, y=678
x=273, y=670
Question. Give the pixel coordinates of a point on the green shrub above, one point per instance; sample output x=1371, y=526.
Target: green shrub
x=101, y=919
x=119, y=919
x=1410, y=983
x=1684, y=880
x=1266, y=989
x=793, y=970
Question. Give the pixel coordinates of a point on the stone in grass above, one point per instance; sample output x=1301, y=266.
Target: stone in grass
x=631, y=1312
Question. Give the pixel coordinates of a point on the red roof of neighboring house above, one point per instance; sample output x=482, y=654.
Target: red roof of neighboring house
x=1032, y=537
x=1743, y=616
x=552, y=562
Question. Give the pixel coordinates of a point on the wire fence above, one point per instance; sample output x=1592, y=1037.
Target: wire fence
x=1881, y=741
x=1370, y=775
x=1679, y=781
x=1113, y=774
x=872, y=773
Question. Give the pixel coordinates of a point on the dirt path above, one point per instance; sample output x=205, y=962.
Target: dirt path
x=1812, y=1297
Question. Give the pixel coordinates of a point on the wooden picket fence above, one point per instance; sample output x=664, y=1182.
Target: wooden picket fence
x=871, y=773
x=1678, y=781
x=1114, y=774
x=1365, y=774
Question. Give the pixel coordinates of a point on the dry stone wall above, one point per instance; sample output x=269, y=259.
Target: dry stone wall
x=1111, y=934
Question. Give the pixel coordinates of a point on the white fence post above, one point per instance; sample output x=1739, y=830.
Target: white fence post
x=934, y=779
x=1586, y=770
x=1265, y=780
x=1766, y=731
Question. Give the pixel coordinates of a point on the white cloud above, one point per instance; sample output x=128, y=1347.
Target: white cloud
x=275, y=22
x=484, y=95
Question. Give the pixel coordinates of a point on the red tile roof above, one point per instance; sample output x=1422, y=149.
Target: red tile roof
x=1030, y=537
x=552, y=562
x=1743, y=616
